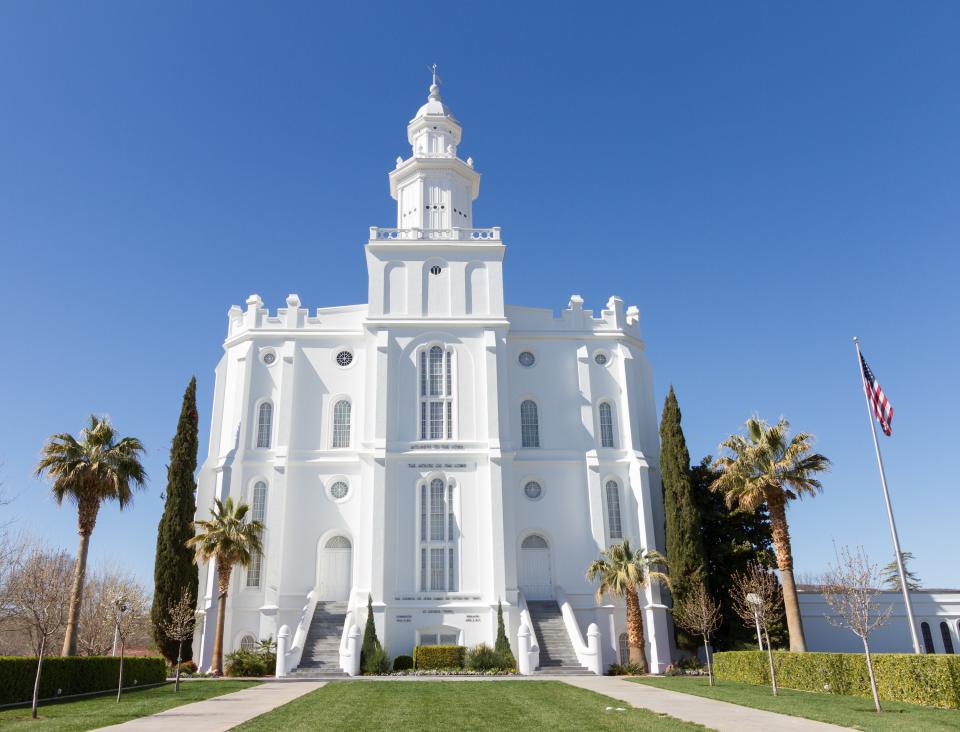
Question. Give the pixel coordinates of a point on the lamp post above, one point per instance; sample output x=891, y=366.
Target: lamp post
x=755, y=603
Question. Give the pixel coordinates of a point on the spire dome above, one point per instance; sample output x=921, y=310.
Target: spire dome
x=435, y=106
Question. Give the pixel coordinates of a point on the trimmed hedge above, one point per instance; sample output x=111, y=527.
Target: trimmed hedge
x=63, y=676
x=438, y=657
x=931, y=680
x=403, y=663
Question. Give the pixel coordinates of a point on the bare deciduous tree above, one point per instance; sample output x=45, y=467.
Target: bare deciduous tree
x=698, y=614
x=130, y=611
x=97, y=630
x=37, y=593
x=756, y=599
x=179, y=625
x=850, y=588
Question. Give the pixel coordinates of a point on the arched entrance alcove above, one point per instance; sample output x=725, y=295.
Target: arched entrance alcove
x=536, y=580
x=334, y=569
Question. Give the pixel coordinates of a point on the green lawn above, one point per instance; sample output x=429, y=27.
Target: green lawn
x=100, y=711
x=445, y=705
x=849, y=711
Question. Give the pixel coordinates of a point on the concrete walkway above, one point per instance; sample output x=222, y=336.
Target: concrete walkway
x=222, y=712
x=717, y=715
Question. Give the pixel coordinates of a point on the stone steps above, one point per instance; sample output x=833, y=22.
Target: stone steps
x=557, y=656
x=321, y=649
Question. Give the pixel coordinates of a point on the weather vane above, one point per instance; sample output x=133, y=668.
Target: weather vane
x=436, y=79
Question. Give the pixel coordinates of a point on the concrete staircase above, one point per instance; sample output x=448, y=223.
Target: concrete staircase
x=321, y=650
x=557, y=656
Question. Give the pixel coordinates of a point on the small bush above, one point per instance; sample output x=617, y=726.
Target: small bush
x=625, y=669
x=378, y=662
x=438, y=657
x=931, y=680
x=483, y=658
x=187, y=667
x=64, y=676
x=403, y=663
x=251, y=663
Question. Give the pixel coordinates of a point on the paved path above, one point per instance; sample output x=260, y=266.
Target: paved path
x=222, y=712
x=717, y=715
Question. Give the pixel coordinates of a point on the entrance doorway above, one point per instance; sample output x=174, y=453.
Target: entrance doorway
x=334, y=581
x=536, y=582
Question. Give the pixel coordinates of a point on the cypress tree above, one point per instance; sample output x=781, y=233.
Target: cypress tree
x=174, y=570
x=370, y=642
x=685, y=553
x=502, y=646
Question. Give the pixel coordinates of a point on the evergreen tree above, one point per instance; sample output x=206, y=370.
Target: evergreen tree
x=174, y=570
x=732, y=539
x=502, y=646
x=684, y=543
x=890, y=574
x=371, y=643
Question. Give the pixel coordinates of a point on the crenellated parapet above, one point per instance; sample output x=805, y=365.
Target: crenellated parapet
x=256, y=317
x=575, y=318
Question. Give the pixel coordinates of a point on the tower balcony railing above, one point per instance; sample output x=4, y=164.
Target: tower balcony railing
x=379, y=233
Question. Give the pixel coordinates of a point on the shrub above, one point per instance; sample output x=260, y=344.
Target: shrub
x=251, y=663
x=931, y=680
x=403, y=663
x=370, y=641
x=378, y=662
x=63, y=676
x=483, y=658
x=625, y=669
x=438, y=657
x=502, y=645
x=187, y=667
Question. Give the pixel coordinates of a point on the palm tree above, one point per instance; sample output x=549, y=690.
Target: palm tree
x=229, y=539
x=96, y=468
x=621, y=572
x=768, y=466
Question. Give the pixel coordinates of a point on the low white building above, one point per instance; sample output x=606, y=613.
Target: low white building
x=434, y=448
x=937, y=613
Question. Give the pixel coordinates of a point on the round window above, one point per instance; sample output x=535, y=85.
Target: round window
x=601, y=358
x=339, y=490
x=533, y=490
x=527, y=359
x=269, y=357
x=344, y=358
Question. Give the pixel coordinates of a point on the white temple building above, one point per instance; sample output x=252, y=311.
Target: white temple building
x=434, y=448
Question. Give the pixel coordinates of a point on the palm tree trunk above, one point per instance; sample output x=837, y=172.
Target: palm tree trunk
x=76, y=595
x=223, y=583
x=635, y=634
x=781, y=545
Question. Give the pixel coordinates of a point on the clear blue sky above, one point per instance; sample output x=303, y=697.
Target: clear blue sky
x=764, y=180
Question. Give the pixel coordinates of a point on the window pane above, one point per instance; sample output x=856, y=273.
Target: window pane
x=448, y=639
x=452, y=571
x=436, y=420
x=248, y=643
x=253, y=571
x=449, y=358
x=423, y=420
x=436, y=371
x=449, y=420
x=613, y=510
x=423, y=373
x=927, y=638
x=423, y=570
x=436, y=510
x=428, y=639
x=264, y=424
x=947, y=640
x=624, y=644
x=436, y=569
x=423, y=513
x=529, y=425
x=607, y=436
x=341, y=424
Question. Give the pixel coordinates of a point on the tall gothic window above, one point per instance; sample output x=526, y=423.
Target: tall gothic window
x=439, y=535
x=608, y=437
x=264, y=424
x=436, y=394
x=615, y=527
x=927, y=638
x=258, y=512
x=947, y=639
x=529, y=424
x=341, y=424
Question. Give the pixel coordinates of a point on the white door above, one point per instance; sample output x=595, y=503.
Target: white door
x=334, y=578
x=535, y=580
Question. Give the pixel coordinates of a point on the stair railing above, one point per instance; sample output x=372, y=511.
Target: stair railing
x=528, y=648
x=291, y=659
x=588, y=653
x=350, y=644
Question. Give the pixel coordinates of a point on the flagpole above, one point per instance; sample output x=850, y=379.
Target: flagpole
x=886, y=500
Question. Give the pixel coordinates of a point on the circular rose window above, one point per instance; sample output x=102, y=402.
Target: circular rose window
x=269, y=357
x=601, y=359
x=527, y=359
x=344, y=358
x=533, y=490
x=339, y=490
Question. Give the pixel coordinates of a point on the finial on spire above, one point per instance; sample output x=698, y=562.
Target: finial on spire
x=435, y=82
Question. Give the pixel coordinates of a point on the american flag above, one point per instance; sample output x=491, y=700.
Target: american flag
x=882, y=409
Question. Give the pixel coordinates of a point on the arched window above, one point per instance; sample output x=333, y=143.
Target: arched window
x=264, y=424
x=529, y=424
x=248, y=643
x=608, y=437
x=947, y=640
x=615, y=528
x=439, y=535
x=258, y=512
x=534, y=541
x=927, y=638
x=436, y=394
x=341, y=424
x=338, y=542
x=624, y=645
